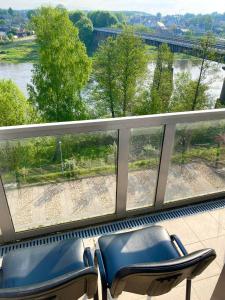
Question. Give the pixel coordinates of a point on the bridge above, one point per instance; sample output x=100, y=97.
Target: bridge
x=176, y=44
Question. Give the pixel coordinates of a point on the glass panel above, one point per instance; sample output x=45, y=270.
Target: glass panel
x=53, y=180
x=144, y=156
x=198, y=160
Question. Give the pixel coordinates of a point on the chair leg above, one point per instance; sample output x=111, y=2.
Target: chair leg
x=96, y=295
x=188, y=289
x=104, y=293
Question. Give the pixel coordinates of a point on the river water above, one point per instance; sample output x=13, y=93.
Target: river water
x=21, y=74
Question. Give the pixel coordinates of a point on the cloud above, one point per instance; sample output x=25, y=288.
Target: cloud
x=150, y=6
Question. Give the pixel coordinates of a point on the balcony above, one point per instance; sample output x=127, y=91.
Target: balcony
x=75, y=176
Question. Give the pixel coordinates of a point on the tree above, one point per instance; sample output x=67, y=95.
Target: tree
x=15, y=109
x=63, y=67
x=120, y=17
x=131, y=66
x=31, y=13
x=105, y=75
x=182, y=100
x=207, y=54
x=11, y=12
x=10, y=36
x=162, y=87
x=119, y=67
x=102, y=18
x=85, y=27
x=184, y=91
x=75, y=16
x=159, y=16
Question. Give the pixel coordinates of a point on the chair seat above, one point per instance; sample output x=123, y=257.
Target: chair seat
x=38, y=264
x=148, y=245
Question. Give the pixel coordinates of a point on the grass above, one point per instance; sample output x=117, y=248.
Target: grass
x=19, y=51
x=153, y=51
x=25, y=50
x=44, y=176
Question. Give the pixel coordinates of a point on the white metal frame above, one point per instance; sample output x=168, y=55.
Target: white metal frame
x=123, y=126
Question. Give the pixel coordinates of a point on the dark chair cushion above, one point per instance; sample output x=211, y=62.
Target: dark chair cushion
x=41, y=263
x=151, y=244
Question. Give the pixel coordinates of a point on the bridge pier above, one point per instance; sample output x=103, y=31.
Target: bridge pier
x=222, y=94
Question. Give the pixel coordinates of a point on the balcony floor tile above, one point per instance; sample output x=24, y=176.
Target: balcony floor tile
x=181, y=228
x=196, y=232
x=203, y=225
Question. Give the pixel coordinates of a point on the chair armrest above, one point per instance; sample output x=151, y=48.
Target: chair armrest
x=99, y=261
x=175, y=238
x=197, y=260
x=38, y=288
x=88, y=258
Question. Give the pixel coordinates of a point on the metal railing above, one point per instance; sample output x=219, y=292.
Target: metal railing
x=123, y=126
x=168, y=39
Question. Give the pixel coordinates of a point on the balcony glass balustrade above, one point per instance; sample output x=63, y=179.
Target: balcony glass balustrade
x=65, y=175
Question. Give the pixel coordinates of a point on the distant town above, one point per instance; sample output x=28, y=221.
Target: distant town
x=15, y=23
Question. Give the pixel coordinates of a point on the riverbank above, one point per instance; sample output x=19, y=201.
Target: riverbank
x=153, y=52
x=25, y=51
x=21, y=73
x=19, y=51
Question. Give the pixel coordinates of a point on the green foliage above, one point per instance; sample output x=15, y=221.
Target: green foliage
x=15, y=109
x=121, y=17
x=31, y=13
x=157, y=98
x=105, y=74
x=63, y=67
x=10, y=36
x=75, y=16
x=203, y=21
x=84, y=155
x=120, y=66
x=184, y=92
x=85, y=27
x=162, y=86
x=19, y=51
x=102, y=18
x=207, y=54
x=10, y=12
x=142, y=29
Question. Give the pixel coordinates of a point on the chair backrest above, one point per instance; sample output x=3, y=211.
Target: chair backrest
x=70, y=287
x=159, y=278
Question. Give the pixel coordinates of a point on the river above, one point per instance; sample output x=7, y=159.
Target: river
x=21, y=74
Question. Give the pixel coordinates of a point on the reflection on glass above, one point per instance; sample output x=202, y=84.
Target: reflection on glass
x=144, y=156
x=198, y=160
x=53, y=180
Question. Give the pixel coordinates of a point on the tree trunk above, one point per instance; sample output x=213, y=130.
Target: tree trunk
x=198, y=85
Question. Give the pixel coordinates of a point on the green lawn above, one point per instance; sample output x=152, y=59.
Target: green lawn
x=153, y=51
x=25, y=50
x=19, y=51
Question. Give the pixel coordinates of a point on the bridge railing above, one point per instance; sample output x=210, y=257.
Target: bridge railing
x=60, y=176
x=166, y=38
x=177, y=44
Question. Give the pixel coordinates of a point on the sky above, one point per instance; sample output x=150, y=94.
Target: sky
x=149, y=6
